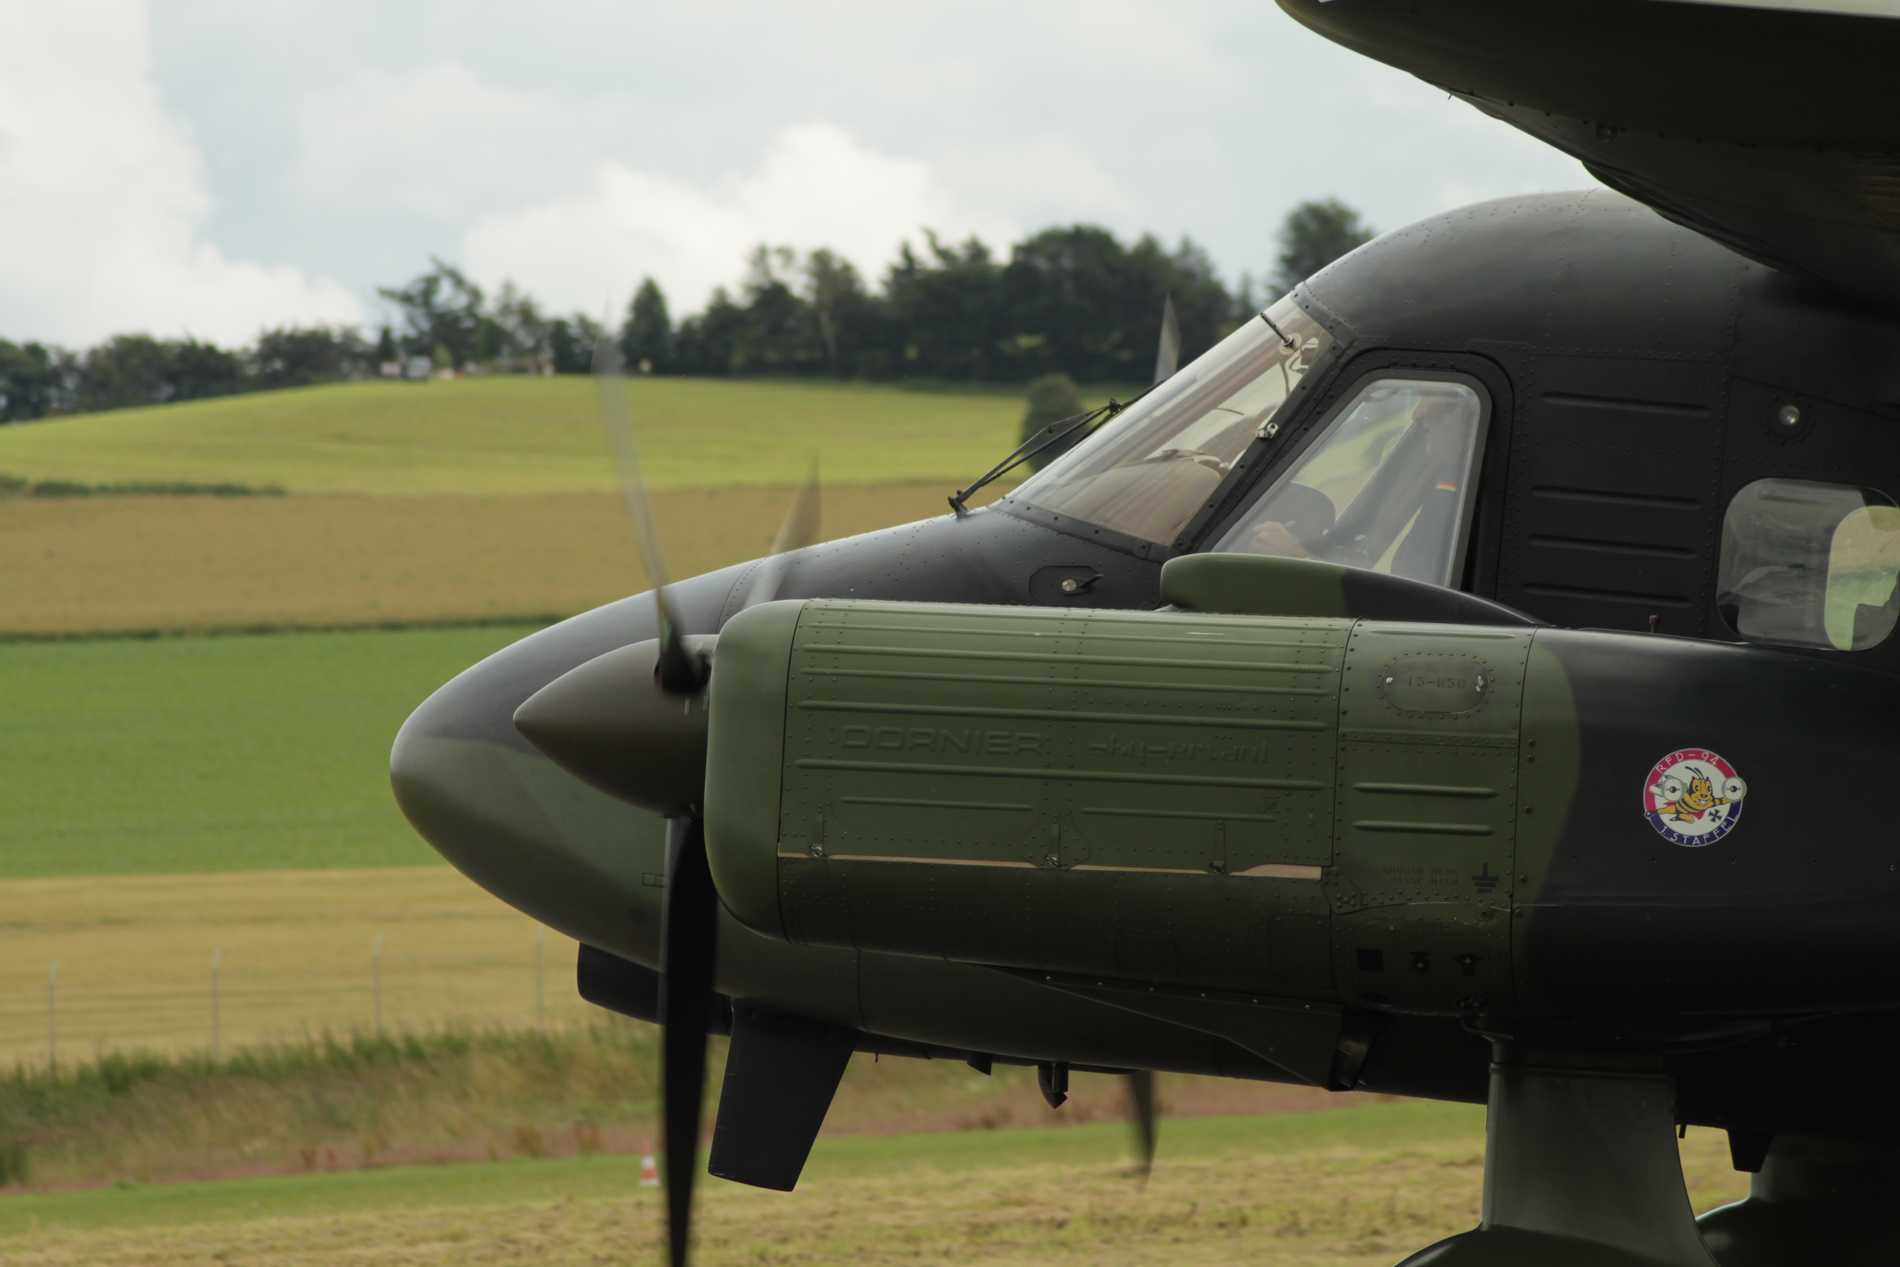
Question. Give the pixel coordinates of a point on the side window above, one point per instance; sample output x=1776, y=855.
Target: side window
x=1387, y=485
x=1810, y=565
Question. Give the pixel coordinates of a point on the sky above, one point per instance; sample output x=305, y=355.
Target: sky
x=215, y=167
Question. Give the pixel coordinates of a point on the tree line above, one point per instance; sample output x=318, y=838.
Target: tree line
x=1074, y=300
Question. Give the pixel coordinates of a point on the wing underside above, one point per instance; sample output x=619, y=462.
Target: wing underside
x=1772, y=129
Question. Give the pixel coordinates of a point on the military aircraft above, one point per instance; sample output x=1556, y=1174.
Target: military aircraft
x=1474, y=678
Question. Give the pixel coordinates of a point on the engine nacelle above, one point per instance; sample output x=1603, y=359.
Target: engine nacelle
x=1139, y=796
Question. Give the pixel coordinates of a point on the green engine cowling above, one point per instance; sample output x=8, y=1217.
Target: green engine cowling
x=1316, y=809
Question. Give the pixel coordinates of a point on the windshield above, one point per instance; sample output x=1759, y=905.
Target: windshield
x=1147, y=472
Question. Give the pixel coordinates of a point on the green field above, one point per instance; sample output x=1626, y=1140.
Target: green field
x=141, y=756
x=1357, y=1187
x=1366, y=1127
x=526, y=435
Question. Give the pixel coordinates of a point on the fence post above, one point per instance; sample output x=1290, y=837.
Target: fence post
x=376, y=981
x=540, y=954
x=217, y=961
x=52, y=1017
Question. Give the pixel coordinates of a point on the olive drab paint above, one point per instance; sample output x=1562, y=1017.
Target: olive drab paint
x=1313, y=809
x=1401, y=817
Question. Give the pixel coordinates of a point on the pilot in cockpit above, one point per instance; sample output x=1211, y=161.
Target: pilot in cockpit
x=1382, y=489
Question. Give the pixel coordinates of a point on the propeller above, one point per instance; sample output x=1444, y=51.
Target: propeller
x=1168, y=348
x=800, y=529
x=565, y=720
x=1142, y=1112
x=689, y=924
x=679, y=670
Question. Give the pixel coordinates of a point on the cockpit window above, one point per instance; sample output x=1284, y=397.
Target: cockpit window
x=1146, y=473
x=1387, y=485
x=1810, y=565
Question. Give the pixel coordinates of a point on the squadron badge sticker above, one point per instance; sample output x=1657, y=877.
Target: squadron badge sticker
x=1693, y=797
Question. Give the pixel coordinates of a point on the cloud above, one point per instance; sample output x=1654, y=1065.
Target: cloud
x=102, y=197
x=436, y=141
x=814, y=185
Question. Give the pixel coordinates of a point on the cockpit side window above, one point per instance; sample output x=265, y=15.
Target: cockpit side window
x=1387, y=485
x=1151, y=470
x=1808, y=564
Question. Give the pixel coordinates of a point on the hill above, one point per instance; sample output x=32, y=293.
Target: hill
x=525, y=435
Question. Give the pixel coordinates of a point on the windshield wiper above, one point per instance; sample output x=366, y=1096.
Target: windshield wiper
x=1049, y=435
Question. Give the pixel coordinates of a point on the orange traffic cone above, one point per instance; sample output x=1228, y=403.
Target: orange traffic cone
x=649, y=1171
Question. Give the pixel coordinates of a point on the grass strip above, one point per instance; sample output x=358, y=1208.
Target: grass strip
x=1382, y=1126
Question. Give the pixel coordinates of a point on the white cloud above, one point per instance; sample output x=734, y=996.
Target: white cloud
x=436, y=141
x=102, y=197
x=1043, y=179
x=814, y=185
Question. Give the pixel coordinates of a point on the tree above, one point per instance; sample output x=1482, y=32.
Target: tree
x=571, y=343
x=1246, y=301
x=708, y=343
x=1050, y=398
x=646, y=337
x=778, y=334
x=829, y=279
x=948, y=312
x=1314, y=234
x=443, y=309
x=1202, y=304
x=127, y=369
x=524, y=332
x=386, y=349
x=35, y=380
x=292, y=356
x=195, y=370
x=1082, y=306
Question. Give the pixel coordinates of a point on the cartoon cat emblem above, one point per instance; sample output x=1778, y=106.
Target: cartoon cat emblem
x=1693, y=797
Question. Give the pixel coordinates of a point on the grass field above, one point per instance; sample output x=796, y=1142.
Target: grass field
x=129, y=756
x=526, y=435
x=1351, y=1188
x=469, y=1092
x=196, y=563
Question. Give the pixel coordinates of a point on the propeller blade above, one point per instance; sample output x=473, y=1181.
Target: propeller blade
x=1142, y=1111
x=799, y=529
x=1168, y=350
x=680, y=670
x=689, y=922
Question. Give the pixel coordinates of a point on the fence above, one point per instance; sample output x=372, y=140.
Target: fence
x=204, y=962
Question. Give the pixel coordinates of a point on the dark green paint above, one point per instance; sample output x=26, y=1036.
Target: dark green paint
x=1310, y=809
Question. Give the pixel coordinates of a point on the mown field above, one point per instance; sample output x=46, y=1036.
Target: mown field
x=295, y=951
x=526, y=435
x=1351, y=1188
x=184, y=564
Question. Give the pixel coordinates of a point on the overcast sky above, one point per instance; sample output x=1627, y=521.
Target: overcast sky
x=215, y=166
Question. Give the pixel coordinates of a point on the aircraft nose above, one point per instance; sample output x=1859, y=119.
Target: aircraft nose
x=610, y=723
x=557, y=849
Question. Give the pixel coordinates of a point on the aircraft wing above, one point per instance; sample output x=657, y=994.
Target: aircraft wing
x=1772, y=128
